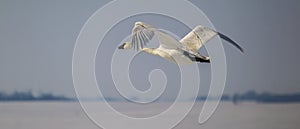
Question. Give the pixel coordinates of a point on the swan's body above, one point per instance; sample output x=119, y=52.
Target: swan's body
x=184, y=51
x=172, y=55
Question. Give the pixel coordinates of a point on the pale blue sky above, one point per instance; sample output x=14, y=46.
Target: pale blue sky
x=37, y=39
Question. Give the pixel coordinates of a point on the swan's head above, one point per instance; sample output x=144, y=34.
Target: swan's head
x=126, y=45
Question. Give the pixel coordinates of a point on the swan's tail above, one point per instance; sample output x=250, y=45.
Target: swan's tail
x=202, y=60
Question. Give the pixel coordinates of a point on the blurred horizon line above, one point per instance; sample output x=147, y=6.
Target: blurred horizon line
x=249, y=96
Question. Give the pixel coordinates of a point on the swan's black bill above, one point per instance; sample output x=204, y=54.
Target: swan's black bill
x=121, y=46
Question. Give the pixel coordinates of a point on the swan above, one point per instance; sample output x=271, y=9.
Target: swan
x=180, y=52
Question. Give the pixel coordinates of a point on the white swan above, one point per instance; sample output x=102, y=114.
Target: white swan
x=180, y=52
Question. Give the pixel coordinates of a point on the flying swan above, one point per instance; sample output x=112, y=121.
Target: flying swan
x=180, y=52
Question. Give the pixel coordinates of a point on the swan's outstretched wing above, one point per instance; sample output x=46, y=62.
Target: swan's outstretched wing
x=197, y=38
x=231, y=42
x=142, y=33
x=201, y=35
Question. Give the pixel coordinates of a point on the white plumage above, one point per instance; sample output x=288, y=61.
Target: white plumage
x=180, y=52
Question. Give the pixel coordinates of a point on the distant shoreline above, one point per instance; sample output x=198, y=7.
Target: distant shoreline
x=250, y=96
x=29, y=96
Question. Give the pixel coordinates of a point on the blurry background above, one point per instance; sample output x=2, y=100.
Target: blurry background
x=37, y=39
